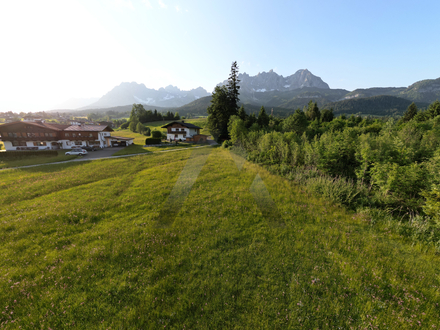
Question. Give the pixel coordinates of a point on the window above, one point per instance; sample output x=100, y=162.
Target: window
x=39, y=144
x=66, y=134
x=46, y=134
x=73, y=134
x=18, y=144
x=90, y=135
x=10, y=135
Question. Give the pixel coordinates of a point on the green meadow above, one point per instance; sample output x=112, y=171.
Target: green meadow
x=139, y=139
x=103, y=245
x=35, y=160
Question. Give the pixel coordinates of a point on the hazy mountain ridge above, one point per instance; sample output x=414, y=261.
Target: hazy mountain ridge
x=427, y=90
x=129, y=93
x=272, y=91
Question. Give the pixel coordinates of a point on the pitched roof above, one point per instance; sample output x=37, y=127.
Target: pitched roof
x=88, y=128
x=121, y=138
x=181, y=123
x=55, y=127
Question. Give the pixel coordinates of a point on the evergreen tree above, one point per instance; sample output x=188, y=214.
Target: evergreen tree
x=296, y=122
x=434, y=109
x=263, y=118
x=224, y=104
x=251, y=120
x=219, y=113
x=242, y=114
x=410, y=112
x=312, y=111
x=176, y=116
x=327, y=115
x=233, y=87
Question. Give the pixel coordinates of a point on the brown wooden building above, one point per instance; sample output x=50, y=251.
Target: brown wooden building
x=36, y=135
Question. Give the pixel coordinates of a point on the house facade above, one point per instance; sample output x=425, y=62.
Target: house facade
x=39, y=135
x=181, y=131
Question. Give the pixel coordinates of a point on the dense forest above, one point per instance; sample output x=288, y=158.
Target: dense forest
x=386, y=169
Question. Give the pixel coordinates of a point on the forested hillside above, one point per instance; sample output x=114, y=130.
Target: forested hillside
x=374, y=106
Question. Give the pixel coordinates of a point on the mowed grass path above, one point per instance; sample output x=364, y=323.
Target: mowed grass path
x=83, y=247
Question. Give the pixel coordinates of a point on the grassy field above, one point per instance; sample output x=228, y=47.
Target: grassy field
x=100, y=245
x=139, y=139
x=34, y=160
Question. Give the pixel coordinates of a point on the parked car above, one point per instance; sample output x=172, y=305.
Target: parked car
x=77, y=151
x=88, y=148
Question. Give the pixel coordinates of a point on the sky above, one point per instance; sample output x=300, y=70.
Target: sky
x=55, y=50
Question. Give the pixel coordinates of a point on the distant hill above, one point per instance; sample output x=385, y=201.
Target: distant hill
x=422, y=91
x=129, y=93
x=382, y=105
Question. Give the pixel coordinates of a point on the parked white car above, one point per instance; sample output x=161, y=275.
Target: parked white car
x=77, y=151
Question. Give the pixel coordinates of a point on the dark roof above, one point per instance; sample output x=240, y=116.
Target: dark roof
x=121, y=138
x=181, y=123
x=55, y=127
x=88, y=128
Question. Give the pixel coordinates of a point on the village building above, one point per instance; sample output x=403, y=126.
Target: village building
x=38, y=135
x=181, y=131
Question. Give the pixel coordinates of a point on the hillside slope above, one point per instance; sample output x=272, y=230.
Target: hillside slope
x=178, y=241
x=382, y=105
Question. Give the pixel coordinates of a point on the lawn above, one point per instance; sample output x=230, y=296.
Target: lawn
x=139, y=139
x=34, y=160
x=177, y=240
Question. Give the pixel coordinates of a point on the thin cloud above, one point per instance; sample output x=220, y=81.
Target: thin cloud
x=147, y=4
x=162, y=5
x=177, y=8
x=124, y=3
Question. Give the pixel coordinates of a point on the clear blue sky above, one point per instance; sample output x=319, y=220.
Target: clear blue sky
x=53, y=50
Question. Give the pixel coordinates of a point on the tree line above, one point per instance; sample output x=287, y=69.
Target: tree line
x=139, y=116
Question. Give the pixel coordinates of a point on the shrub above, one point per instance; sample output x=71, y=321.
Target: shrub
x=125, y=125
x=338, y=190
x=152, y=141
x=226, y=144
x=156, y=134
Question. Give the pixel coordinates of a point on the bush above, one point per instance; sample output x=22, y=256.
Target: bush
x=125, y=125
x=226, y=144
x=338, y=190
x=156, y=134
x=152, y=141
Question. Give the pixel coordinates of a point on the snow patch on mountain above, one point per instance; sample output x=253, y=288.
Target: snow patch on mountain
x=149, y=100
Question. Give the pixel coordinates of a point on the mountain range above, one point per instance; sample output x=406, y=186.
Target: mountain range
x=271, y=90
x=129, y=93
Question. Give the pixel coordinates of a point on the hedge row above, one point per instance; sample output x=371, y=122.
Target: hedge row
x=152, y=141
x=23, y=154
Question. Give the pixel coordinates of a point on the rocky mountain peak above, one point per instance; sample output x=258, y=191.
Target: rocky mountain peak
x=271, y=81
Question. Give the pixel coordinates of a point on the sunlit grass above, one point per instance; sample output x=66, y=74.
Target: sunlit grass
x=83, y=246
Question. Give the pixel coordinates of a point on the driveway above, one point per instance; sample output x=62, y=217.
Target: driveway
x=100, y=153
